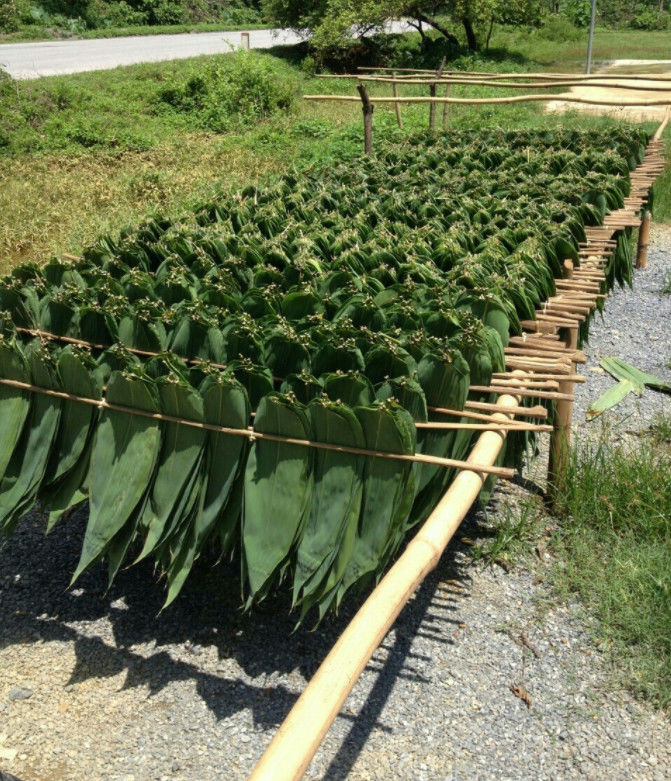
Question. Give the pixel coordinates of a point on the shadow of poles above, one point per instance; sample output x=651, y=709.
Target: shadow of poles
x=411, y=624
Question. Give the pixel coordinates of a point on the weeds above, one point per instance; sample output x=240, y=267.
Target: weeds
x=615, y=539
x=516, y=531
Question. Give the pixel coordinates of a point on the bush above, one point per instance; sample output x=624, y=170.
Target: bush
x=235, y=90
x=9, y=16
x=557, y=27
x=578, y=12
x=649, y=19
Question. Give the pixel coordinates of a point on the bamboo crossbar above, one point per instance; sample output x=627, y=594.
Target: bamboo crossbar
x=252, y=435
x=297, y=739
x=94, y=346
x=485, y=101
x=481, y=416
x=536, y=394
x=546, y=75
x=493, y=426
x=499, y=84
x=528, y=412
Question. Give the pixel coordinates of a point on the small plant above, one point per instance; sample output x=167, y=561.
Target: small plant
x=666, y=284
x=516, y=529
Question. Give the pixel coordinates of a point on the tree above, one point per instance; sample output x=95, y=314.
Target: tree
x=335, y=21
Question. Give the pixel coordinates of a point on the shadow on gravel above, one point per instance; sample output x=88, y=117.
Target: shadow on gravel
x=37, y=605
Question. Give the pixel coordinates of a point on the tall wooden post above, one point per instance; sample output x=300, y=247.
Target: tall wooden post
x=643, y=236
x=560, y=439
x=432, y=93
x=367, y=109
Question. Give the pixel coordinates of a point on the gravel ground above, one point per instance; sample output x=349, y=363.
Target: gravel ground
x=97, y=685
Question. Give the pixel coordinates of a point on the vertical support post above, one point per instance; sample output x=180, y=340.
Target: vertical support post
x=446, y=106
x=590, y=40
x=244, y=37
x=643, y=236
x=560, y=439
x=397, y=105
x=432, y=93
x=367, y=109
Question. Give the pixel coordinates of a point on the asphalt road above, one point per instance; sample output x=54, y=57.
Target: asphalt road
x=52, y=58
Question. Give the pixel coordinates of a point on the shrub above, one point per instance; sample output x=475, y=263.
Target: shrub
x=9, y=17
x=235, y=90
x=649, y=19
x=557, y=27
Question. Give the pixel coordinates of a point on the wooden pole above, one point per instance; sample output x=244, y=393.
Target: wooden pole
x=432, y=93
x=643, y=236
x=367, y=109
x=245, y=41
x=289, y=754
x=492, y=101
x=560, y=439
x=397, y=106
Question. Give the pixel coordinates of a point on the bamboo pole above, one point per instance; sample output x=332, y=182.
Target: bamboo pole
x=486, y=406
x=539, y=84
x=488, y=101
x=643, y=236
x=536, y=394
x=528, y=412
x=548, y=75
x=289, y=753
x=660, y=129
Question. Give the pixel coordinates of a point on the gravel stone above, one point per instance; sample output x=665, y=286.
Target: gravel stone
x=197, y=691
x=18, y=693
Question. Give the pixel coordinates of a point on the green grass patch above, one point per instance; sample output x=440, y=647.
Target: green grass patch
x=615, y=541
x=514, y=531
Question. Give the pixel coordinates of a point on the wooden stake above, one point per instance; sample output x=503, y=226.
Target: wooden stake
x=244, y=38
x=560, y=441
x=643, y=235
x=432, y=93
x=367, y=109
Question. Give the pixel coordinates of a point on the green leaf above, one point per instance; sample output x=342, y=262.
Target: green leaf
x=124, y=456
x=610, y=398
x=278, y=488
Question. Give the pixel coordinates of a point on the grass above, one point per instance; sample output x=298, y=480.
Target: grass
x=513, y=534
x=666, y=285
x=616, y=544
x=89, y=153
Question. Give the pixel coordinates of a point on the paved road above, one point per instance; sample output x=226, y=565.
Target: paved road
x=51, y=58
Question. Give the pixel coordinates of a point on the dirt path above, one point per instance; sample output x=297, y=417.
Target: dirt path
x=652, y=68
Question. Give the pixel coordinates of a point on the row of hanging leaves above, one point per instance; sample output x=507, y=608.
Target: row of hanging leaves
x=339, y=306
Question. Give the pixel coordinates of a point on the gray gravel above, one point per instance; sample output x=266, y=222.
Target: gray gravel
x=121, y=692
x=637, y=328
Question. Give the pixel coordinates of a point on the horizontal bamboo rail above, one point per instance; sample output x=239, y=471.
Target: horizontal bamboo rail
x=499, y=84
x=296, y=741
x=484, y=101
x=536, y=75
x=251, y=435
